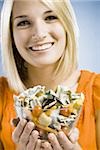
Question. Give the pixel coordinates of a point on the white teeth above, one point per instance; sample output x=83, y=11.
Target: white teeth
x=41, y=47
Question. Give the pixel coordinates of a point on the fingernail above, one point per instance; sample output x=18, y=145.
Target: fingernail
x=35, y=133
x=39, y=141
x=51, y=136
x=30, y=125
x=45, y=144
x=23, y=122
x=73, y=140
x=60, y=133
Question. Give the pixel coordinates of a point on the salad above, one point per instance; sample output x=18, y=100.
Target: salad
x=50, y=110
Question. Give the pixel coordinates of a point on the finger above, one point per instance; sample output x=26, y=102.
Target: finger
x=33, y=139
x=24, y=138
x=38, y=145
x=64, y=141
x=74, y=135
x=46, y=145
x=54, y=141
x=18, y=130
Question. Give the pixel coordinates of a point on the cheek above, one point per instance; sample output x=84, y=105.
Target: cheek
x=20, y=38
x=59, y=32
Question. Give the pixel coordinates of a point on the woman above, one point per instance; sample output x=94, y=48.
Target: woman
x=39, y=47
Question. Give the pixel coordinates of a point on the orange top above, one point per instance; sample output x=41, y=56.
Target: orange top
x=89, y=84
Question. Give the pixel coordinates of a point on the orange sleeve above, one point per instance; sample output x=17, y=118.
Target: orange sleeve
x=3, y=85
x=96, y=92
x=1, y=102
x=1, y=96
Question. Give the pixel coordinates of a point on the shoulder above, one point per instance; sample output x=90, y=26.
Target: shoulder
x=4, y=88
x=5, y=94
x=96, y=85
x=93, y=80
x=87, y=78
x=90, y=84
x=96, y=92
x=3, y=84
x=97, y=82
x=91, y=77
x=3, y=80
x=96, y=98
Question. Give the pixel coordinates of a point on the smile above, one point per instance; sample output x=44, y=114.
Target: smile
x=41, y=47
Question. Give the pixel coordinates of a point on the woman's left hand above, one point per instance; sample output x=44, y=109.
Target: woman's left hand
x=63, y=142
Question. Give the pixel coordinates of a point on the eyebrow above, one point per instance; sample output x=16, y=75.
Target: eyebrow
x=24, y=16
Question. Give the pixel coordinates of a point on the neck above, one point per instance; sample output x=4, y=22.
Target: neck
x=44, y=77
x=41, y=76
x=73, y=80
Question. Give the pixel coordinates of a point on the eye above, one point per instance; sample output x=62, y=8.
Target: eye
x=51, y=18
x=24, y=23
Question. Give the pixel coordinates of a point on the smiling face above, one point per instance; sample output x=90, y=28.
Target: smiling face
x=38, y=34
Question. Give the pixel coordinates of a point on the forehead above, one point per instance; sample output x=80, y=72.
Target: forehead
x=28, y=6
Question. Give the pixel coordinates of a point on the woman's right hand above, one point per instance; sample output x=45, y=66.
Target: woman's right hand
x=26, y=137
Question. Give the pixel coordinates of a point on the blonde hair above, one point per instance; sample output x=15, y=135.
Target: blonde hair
x=68, y=62
x=7, y=50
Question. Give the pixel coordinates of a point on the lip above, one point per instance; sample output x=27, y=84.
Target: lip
x=41, y=47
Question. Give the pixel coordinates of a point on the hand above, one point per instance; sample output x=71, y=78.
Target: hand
x=63, y=142
x=25, y=137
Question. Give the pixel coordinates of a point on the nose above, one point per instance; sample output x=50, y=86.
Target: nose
x=40, y=30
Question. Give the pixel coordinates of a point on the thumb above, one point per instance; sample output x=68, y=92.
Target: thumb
x=74, y=135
